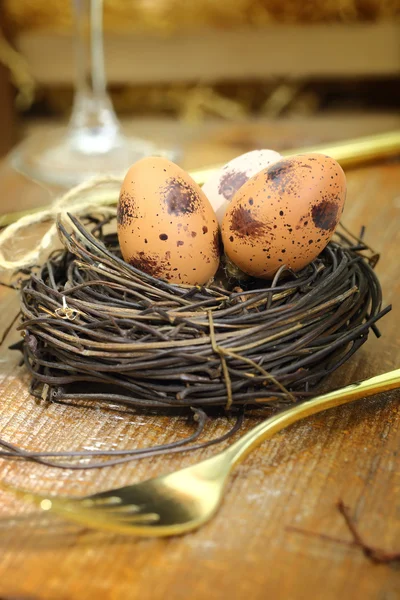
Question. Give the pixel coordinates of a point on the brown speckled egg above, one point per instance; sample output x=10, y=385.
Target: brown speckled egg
x=284, y=215
x=166, y=225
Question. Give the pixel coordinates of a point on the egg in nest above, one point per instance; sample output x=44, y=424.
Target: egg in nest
x=284, y=215
x=166, y=226
x=222, y=185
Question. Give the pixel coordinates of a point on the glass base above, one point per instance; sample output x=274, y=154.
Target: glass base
x=54, y=159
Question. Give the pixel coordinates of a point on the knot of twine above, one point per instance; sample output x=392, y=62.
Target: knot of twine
x=102, y=191
x=65, y=312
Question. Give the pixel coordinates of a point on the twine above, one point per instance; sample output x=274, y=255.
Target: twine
x=82, y=198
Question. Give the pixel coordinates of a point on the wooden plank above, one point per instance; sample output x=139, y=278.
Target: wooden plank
x=320, y=50
x=250, y=549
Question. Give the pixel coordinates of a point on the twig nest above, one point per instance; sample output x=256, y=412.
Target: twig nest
x=99, y=329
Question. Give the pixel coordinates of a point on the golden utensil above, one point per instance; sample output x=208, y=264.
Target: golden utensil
x=349, y=153
x=183, y=500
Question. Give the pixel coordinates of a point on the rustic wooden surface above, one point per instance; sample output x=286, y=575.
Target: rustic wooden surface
x=268, y=538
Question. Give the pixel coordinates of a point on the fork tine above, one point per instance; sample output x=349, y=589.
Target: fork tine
x=110, y=510
x=111, y=504
x=34, y=497
x=125, y=516
x=104, y=519
x=81, y=510
x=86, y=506
x=92, y=501
x=141, y=518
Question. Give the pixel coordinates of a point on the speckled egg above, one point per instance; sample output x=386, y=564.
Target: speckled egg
x=166, y=226
x=224, y=183
x=284, y=215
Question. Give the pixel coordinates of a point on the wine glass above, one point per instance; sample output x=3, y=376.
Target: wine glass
x=93, y=141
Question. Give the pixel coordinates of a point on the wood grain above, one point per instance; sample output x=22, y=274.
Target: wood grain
x=265, y=541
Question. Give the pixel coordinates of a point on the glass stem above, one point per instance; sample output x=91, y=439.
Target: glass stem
x=93, y=127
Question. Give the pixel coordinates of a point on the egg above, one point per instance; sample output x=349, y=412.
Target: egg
x=284, y=215
x=166, y=226
x=224, y=183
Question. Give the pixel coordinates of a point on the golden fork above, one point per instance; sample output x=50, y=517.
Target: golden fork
x=181, y=501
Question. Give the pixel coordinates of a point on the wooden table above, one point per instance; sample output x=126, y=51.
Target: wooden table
x=279, y=533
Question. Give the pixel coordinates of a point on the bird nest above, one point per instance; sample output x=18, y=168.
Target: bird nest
x=98, y=329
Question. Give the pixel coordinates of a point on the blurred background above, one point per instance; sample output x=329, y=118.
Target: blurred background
x=215, y=78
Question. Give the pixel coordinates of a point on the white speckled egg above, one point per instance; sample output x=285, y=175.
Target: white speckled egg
x=222, y=185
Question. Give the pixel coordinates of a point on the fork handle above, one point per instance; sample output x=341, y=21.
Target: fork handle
x=381, y=383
